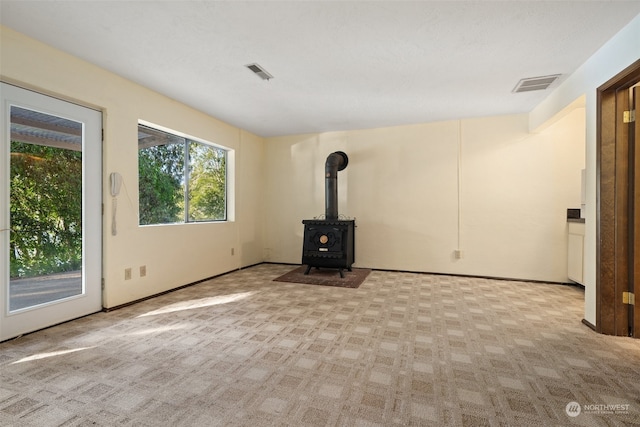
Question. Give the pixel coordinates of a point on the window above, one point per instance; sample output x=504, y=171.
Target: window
x=180, y=179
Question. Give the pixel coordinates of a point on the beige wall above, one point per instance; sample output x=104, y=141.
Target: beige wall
x=506, y=212
x=174, y=255
x=508, y=216
x=616, y=55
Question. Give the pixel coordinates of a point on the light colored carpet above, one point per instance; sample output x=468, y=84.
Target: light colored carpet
x=401, y=350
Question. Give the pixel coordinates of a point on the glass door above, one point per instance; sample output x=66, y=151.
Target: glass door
x=50, y=211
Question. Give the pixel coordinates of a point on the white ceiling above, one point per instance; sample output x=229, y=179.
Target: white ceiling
x=336, y=65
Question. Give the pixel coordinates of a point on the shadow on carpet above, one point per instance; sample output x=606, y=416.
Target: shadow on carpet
x=326, y=277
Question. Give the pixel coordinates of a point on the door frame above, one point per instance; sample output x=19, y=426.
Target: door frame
x=16, y=323
x=616, y=245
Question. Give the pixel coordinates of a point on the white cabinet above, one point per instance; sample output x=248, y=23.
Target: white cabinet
x=575, y=251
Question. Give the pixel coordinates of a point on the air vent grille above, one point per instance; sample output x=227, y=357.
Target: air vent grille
x=259, y=71
x=535, y=83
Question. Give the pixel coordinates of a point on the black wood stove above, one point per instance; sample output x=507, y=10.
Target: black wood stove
x=329, y=242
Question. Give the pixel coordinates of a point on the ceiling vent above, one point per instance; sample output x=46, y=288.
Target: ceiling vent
x=535, y=83
x=258, y=70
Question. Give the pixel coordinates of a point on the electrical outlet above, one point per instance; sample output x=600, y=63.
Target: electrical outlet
x=143, y=270
x=127, y=274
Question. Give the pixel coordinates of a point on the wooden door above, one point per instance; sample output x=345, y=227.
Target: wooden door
x=618, y=206
x=634, y=233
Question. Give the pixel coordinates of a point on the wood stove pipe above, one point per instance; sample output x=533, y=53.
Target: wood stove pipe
x=335, y=162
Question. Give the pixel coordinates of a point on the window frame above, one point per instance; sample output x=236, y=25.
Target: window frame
x=187, y=139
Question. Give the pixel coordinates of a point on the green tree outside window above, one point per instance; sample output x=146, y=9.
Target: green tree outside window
x=180, y=180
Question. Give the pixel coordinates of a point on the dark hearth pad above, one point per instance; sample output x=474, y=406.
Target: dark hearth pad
x=326, y=277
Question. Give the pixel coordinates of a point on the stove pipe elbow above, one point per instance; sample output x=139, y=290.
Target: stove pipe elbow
x=335, y=162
